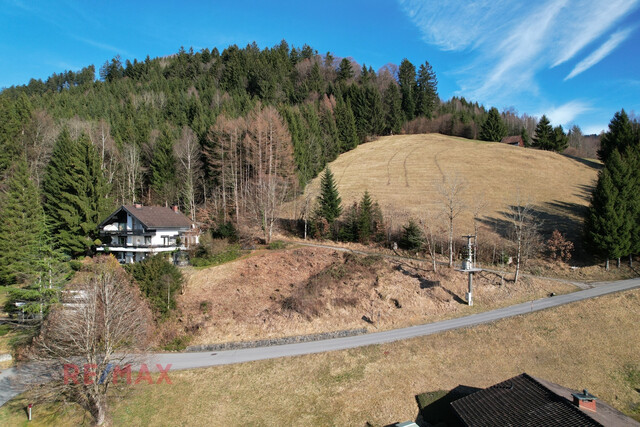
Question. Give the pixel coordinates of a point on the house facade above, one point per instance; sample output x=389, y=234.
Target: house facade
x=135, y=232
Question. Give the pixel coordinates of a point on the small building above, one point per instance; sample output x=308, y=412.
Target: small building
x=525, y=400
x=135, y=232
x=515, y=140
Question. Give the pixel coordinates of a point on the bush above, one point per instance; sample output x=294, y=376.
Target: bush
x=206, y=256
x=276, y=244
x=75, y=265
x=559, y=247
x=159, y=280
x=178, y=343
x=227, y=231
x=412, y=236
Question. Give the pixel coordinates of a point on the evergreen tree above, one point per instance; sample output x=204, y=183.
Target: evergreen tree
x=493, y=129
x=393, y=109
x=21, y=228
x=408, y=88
x=412, y=236
x=609, y=224
x=619, y=136
x=561, y=140
x=545, y=137
x=329, y=202
x=75, y=194
x=346, y=123
x=427, y=99
x=163, y=169
x=525, y=137
x=345, y=70
x=365, y=218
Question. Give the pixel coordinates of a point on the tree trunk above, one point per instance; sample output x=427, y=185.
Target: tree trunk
x=630, y=261
x=618, y=263
x=98, y=409
x=606, y=265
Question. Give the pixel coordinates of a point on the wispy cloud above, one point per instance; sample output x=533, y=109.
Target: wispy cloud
x=600, y=53
x=566, y=113
x=510, y=42
x=103, y=46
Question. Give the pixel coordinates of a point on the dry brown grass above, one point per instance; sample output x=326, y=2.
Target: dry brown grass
x=589, y=344
x=403, y=173
x=582, y=345
x=297, y=292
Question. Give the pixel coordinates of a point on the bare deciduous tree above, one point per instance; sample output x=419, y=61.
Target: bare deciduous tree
x=131, y=166
x=524, y=232
x=431, y=227
x=187, y=152
x=451, y=191
x=101, y=328
x=40, y=137
x=271, y=160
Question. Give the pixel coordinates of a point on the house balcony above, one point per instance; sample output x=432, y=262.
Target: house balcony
x=140, y=248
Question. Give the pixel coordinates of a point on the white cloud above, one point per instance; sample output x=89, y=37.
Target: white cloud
x=566, y=113
x=600, y=53
x=510, y=42
x=104, y=46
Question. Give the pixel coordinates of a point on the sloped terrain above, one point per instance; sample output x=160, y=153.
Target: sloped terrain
x=404, y=173
x=311, y=290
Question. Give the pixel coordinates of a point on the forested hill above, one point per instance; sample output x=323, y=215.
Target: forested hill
x=187, y=128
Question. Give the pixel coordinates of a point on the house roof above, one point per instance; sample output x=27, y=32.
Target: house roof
x=515, y=139
x=520, y=401
x=154, y=216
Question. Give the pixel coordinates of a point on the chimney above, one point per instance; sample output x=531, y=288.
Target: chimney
x=138, y=205
x=585, y=400
x=175, y=208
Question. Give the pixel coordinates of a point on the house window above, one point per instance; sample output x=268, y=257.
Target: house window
x=122, y=241
x=147, y=240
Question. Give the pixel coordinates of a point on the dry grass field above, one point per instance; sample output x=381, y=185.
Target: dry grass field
x=592, y=344
x=404, y=172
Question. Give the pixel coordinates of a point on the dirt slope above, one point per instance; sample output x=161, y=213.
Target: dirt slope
x=311, y=290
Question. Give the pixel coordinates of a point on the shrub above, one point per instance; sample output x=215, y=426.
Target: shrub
x=412, y=236
x=226, y=230
x=276, y=244
x=559, y=247
x=159, y=280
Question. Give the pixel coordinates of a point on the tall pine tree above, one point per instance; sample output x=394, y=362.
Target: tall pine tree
x=620, y=135
x=493, y=129
x=545, y=137
x=608, y=224
x=75, y=194
x=21, y=228
x=329, y=201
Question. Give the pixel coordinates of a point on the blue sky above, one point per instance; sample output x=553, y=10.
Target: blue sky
x=578, y=61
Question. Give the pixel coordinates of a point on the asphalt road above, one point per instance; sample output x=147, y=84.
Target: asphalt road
x=10, y=384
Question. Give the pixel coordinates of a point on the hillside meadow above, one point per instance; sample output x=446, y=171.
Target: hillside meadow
x=404, y=174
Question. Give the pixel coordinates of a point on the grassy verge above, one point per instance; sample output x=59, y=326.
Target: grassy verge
x=592, y=344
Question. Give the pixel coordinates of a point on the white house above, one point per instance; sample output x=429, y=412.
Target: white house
x=134, y=232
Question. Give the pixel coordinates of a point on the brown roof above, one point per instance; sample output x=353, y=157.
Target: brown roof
x=515, y=139
x=158, y=216
x=520, y=401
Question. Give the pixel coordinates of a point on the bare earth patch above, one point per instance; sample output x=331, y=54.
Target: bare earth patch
x=310, y=290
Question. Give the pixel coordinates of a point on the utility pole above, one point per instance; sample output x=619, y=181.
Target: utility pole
x=468, y=266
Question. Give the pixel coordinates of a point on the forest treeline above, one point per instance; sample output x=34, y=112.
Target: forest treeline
x=157, y=124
